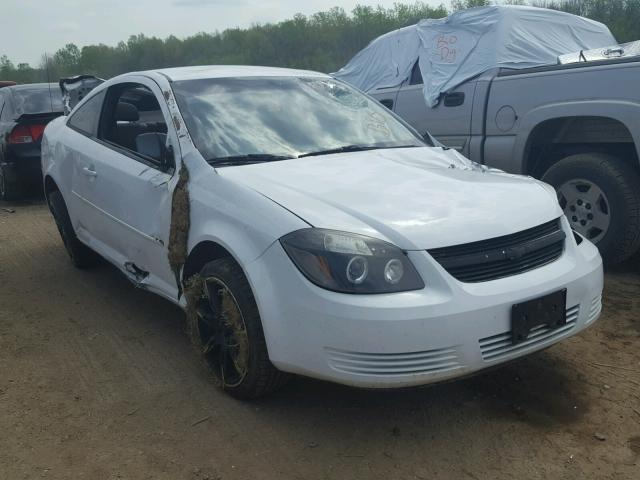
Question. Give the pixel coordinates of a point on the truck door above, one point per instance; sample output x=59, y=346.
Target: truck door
x=449, y=121
x=386, y=96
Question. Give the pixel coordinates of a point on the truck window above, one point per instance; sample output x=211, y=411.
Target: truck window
x=416, y=74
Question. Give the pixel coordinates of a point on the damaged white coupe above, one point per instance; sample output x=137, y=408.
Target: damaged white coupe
x=306, y=229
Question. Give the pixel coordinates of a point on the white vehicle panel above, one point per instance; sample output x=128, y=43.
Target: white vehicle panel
x=416, y=198
x=446, y=330
x=409, y=196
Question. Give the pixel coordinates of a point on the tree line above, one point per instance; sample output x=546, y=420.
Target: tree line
x=324, y=41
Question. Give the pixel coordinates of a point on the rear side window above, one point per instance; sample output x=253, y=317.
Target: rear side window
x=6, y=113
x=87, y=117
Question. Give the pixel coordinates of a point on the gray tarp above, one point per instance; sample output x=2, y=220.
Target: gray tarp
x=454, y=49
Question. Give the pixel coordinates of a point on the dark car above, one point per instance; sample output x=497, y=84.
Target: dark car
x=25, y=110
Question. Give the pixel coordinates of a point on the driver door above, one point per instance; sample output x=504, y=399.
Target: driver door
x=126, y=187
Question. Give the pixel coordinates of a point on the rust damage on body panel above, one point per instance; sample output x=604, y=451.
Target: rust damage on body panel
x=180, y=224
x=196, y=297
x=193, y=294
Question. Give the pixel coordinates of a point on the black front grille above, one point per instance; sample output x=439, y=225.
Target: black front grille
x=503, y=256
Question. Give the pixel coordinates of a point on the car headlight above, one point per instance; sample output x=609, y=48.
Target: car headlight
x=350, y=263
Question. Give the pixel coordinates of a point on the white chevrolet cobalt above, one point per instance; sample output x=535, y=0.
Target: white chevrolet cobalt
x=306, y=229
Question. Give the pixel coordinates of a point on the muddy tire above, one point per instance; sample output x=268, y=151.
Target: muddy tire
x=229, y=331
x=600, y=194
x=10, y=185
x=81, y=256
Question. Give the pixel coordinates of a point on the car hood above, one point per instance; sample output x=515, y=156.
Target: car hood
x=416, y=198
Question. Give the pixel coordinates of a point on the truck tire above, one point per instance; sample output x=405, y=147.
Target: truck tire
x=229, y=330
x=81, y=256
x=600, y=195
x=10, y=186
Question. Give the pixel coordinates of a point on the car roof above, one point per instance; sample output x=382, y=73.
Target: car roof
x=227, y=71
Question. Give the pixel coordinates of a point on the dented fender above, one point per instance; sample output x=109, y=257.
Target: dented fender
x=231, y=228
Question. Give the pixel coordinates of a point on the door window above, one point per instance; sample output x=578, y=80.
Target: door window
x=134, y=123
x=86, y=118
x=416, y=74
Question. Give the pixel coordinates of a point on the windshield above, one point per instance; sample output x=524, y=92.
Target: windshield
x=37, y=99
x=284, y=117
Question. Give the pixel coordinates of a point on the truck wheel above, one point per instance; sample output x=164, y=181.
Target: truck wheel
x=600, y=195
x=10, y=187
x=81, y=256
x=229, y=331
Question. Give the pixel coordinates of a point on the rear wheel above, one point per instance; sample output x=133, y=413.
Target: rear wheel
x=10, y=186
x=600, y=195
x=81, y=256
x=229, y=330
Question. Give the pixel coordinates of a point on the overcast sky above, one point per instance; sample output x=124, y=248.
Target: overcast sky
x=29, y=27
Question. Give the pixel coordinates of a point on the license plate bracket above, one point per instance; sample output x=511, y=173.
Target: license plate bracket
x=549, y=310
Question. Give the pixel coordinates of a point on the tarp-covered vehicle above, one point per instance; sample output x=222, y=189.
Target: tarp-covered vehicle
x=454, y=49
x=527, y=90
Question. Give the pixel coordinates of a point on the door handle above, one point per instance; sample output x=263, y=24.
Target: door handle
x=454, y=99
x=387, y=102
x=89, y=172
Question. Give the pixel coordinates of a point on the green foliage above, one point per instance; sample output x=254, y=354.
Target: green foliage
x=464, y=4
x=324, y=41
x=621, y=16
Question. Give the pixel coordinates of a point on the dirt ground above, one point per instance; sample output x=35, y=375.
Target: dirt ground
x=98, y=381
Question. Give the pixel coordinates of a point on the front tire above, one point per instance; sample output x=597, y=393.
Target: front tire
x=600, y=195
x=227, y=327
x=81, y=256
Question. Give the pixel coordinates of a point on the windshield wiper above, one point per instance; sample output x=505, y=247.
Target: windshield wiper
x=267, y=157
x=246, y=159
x=352, y=148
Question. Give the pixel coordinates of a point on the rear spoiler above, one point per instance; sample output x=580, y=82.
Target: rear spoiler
x=76, y=88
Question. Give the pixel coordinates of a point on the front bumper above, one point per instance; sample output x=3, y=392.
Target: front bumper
x=446, y=330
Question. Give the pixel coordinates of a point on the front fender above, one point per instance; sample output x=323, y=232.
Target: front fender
x=236, y=217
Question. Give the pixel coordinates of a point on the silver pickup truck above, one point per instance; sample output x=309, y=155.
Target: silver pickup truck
x=575, y=125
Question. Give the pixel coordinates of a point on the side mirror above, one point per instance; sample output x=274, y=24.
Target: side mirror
x=154, y=146
x=168, y=158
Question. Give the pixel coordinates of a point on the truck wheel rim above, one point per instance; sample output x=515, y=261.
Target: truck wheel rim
x=586, y=207
x=223, y=333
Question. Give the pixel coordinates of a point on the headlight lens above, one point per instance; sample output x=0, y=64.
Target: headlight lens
x=393, y=271
x=350, y=263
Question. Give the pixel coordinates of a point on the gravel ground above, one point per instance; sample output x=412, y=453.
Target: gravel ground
x=98, y=381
